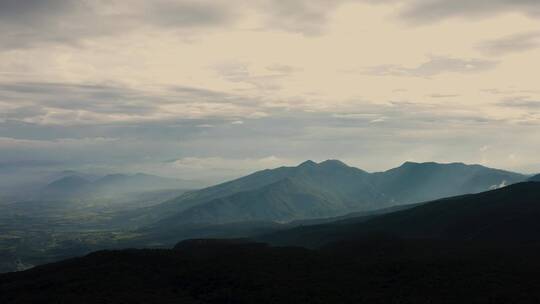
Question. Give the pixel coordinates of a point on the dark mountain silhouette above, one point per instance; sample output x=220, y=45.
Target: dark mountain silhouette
x=509, y=214
x=377, y=270
x=327, y=189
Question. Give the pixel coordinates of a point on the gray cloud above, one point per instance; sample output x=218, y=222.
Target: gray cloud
x=309, y=17
x=524, y=102
x=302, y=16
x=511, y=44
x=427, y=11
x=29, y=23
x=189, y=14
x=37, y=100
x=75, y=104
x=434, y=66
x=374, y=131
x=33, y=22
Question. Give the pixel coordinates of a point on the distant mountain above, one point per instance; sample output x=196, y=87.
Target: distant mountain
x=330, y=188
x=535, y=178
x=509, y=214
x=309, y=190
x=70, y=183
x=419, y=182
x=63, y=188
x=75, y=186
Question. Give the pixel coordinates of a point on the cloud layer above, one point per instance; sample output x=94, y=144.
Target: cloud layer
x=202, y=88
x=32, y=22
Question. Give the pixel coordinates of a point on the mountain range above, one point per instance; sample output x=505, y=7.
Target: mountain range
x=89, y=213
x=327, y=189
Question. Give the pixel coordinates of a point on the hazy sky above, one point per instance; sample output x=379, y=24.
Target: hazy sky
x=204, y=89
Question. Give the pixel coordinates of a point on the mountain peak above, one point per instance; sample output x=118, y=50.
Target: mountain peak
x=326, y=163
x=333, y=162
x=308, y=163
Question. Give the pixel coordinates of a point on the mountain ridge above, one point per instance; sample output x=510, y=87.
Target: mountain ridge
x=507, y=214
x=349, y=189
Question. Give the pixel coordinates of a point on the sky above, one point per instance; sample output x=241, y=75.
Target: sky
x=211, y=90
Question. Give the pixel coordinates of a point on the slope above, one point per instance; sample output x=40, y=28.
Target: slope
x=418, y=182
x=326, y=189
x=506, y=214
x=310, y=190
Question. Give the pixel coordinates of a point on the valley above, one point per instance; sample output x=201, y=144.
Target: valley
x=70, y=217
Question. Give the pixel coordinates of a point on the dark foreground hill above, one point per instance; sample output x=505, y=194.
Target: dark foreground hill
x=368, y=271
x=508, y=214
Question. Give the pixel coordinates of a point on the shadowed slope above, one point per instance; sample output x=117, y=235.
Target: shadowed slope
x=507, y=214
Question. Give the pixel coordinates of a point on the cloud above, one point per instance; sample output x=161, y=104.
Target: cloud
x=227, y=150
x=189, y=14
x=410, y=115
x=310, y=17
x=523, y=102
x=16, y=143
x=430, y=11
x=434, y=66
x=307, y=17
x=76, y=104
x=511, y=44
x=34, y=22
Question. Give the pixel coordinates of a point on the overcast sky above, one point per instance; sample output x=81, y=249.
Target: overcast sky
x=215, y=89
